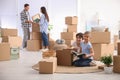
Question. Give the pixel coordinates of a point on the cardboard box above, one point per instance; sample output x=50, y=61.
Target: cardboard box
x=116, y=39
x=33, y=45
x=69, y=42
x=50, y=53
x=9, y=32
x=100, y=37
x=68, y=35
x=118, y=46
x=35, y=27
x=48, y=66
x=51, y=44
x=64, y=57
x=60, y=46
x=4, y=51
x=71, y=20
x=14, y=53
x=15, y=42
x=116, y=64
x=35, y=36
x=102, y=50
x=36, y=18
x=72, y=28
x=0, y=39
x=5, y=39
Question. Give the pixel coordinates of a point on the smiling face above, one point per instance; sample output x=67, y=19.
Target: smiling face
x=78, y=39
x=86, y=36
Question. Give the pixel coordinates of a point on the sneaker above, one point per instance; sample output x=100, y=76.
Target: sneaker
x=93, y=63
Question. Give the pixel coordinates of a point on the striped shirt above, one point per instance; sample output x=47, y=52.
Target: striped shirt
x=24, y=15
x=43, y=24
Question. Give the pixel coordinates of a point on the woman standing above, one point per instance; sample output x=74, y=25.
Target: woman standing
x=44, y=20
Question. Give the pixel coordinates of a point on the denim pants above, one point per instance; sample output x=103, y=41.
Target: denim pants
x=45, y=39
x=82, y=62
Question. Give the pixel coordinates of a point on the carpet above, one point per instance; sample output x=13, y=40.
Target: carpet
x=73, y=70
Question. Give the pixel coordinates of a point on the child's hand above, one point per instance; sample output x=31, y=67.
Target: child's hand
x=86, y=56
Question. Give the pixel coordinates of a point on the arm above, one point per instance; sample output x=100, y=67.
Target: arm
x=91, y=53
x=42, y=18
x=23, y=20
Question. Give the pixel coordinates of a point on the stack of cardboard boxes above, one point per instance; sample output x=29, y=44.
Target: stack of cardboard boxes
x=101, y=43
x=116, y=39
x=116, y=60
x=116, y=64
x=69, y=36
x=48, y=64
x=35, y=42
x=11, y=42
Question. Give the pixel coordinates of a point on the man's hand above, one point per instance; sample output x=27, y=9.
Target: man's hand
x=28, y=21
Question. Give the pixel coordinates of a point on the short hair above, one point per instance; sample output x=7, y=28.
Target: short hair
x=80, y=35
x=87, y=33
x=25, y=5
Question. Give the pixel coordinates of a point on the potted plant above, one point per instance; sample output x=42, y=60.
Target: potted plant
x=107, y=60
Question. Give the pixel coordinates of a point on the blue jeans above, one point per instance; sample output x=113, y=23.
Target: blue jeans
x=45, y=39
x=81, y=62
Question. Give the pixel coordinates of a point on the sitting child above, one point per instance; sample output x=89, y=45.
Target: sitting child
x=87, y=52
x=76, y=44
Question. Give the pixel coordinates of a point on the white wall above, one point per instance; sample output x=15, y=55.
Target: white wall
x=57, y=11
x=108, y=12
x=8, y=13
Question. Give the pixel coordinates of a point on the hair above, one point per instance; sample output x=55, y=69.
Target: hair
x=80, y=35
x=25, y=5
x=87, y=33
x=43, y=10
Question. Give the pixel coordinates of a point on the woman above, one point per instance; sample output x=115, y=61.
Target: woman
x=44, y=20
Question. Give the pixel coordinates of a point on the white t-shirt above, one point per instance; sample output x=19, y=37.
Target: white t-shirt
x=74, y=44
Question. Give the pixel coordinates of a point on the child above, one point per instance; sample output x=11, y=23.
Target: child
x=76, y=44
x=87, y=51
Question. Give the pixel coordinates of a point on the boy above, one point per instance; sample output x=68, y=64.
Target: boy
x=87, y=53
x=76, y=44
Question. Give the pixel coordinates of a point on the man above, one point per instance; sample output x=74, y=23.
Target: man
x=26, y=24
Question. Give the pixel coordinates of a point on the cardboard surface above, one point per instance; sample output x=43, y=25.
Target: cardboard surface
x=68, y=35
x=50, y=53
x=71, y=20
x=33, y=45
x=118, y=46
x=35, y=27
x=100, y=37
x=64, y=57
x=69, y=42
x=102, y=50
x=15, y=42
x=48, y=65
x=116, y=63
x=72, y=28
x=4, y=51
x=35, y=36
x=9, y=32
x=116, y=39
